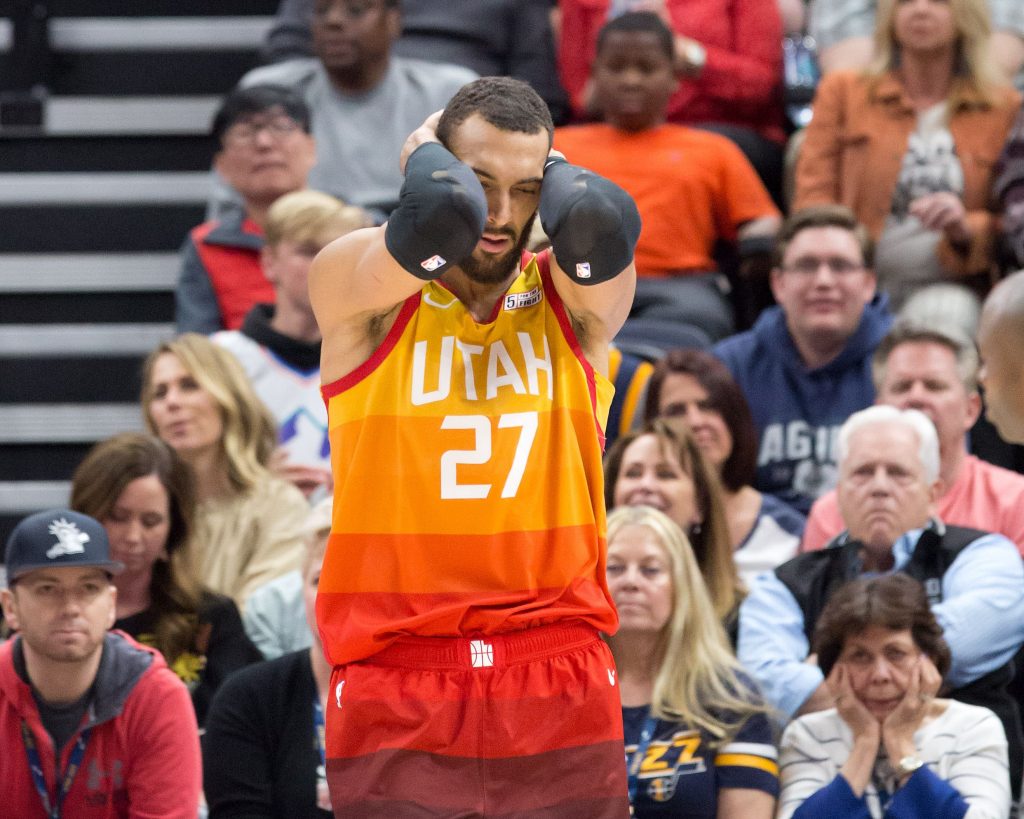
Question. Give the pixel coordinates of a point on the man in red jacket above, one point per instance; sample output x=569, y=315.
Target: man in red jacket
x=92, y=724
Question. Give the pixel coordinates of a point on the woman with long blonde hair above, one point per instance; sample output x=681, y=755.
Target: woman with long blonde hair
x=698, y=739
x=660, y=465
x=910, y=144
x=196, y=398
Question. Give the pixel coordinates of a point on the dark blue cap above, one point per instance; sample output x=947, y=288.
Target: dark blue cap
x=57, y=538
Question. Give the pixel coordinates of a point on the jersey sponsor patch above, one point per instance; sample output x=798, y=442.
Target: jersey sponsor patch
x=513, y=301
x=431, y=264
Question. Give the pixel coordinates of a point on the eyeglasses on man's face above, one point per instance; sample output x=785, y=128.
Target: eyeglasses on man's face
x=810, y=265
x=353, y=9
x=245, y=132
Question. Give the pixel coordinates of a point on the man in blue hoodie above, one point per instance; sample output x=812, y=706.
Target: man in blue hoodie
x=805, y=366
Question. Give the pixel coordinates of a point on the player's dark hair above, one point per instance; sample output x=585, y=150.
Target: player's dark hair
x=258, y=99
x=504, y=102
x=895, y=602
x=638, y=22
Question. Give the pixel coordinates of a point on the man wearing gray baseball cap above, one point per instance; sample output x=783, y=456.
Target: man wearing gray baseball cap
x=74, y=695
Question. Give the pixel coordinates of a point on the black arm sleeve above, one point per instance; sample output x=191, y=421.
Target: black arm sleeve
x=593, y=224
x=440, y=215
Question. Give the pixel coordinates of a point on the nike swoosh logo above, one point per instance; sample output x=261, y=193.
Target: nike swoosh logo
x=611, y=677
x=430, y=300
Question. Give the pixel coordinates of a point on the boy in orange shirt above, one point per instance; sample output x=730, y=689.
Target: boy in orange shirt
x=692, y=187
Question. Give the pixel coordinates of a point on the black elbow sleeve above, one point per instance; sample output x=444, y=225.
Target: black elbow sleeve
x=440, y=215
x=593, y=224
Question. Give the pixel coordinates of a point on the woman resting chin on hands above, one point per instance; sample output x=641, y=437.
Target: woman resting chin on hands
x=890, y=748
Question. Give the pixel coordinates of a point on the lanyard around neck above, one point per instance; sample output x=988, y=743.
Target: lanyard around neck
x=636, y=761
x=53, y=810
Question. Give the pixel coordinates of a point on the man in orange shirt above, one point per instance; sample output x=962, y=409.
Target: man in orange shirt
x=692, y=187
x=464, y=584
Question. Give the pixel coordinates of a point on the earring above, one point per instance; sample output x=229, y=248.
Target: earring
x=695, y=529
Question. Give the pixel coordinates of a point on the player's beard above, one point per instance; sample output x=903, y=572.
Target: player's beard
x=494, y=270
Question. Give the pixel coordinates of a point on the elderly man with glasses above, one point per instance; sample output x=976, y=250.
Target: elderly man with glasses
x=806, y=363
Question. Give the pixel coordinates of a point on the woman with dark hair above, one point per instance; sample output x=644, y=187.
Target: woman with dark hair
x=890, y=747
x=662, y=467
x=696, y=388
x=144, y=496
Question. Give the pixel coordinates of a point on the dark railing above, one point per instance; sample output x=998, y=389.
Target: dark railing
x=27, y=65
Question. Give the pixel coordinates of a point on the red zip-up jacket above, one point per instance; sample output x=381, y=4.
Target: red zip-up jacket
x=142, y=760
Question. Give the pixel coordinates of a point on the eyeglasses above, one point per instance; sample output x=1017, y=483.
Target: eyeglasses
x=896, y=656
x=353, y=9
x=809, y=265
x=245, y=133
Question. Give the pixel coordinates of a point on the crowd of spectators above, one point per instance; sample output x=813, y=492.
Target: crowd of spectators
x=820, y=584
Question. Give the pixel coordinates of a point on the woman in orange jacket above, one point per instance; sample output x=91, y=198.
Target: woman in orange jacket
x=909, y=145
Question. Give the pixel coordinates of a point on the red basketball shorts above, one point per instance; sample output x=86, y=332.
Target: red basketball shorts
x=526, y=724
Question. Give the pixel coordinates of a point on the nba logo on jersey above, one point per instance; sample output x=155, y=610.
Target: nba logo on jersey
x=431, y=264
x=481, y=653
x=583, y=270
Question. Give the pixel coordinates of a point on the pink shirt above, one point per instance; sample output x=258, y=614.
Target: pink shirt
x=985, y=497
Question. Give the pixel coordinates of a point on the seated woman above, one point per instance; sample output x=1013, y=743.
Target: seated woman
x=698, y=389
x=910, y=144
x=662, y=467
x=698, y=740
x=144, y=496
x=890, y=747
x=196, y=398
x=263, y=754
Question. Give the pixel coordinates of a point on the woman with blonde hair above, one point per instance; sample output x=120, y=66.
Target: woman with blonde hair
x=698, y=739
x=144, y=496
x=910, y=144
x=660, y=465
x=196, y=398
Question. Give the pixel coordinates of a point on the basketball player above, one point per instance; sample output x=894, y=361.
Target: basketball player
x=464, y=583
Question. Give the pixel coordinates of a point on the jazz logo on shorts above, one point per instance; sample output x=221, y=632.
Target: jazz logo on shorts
x=481, y=654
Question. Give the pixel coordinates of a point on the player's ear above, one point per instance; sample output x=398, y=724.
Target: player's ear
x=10, y=609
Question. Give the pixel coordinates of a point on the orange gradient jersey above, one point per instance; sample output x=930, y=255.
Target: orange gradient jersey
x=468, y=495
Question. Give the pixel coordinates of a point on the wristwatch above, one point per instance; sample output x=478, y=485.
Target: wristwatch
x=907, y=765
x=696, y=55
